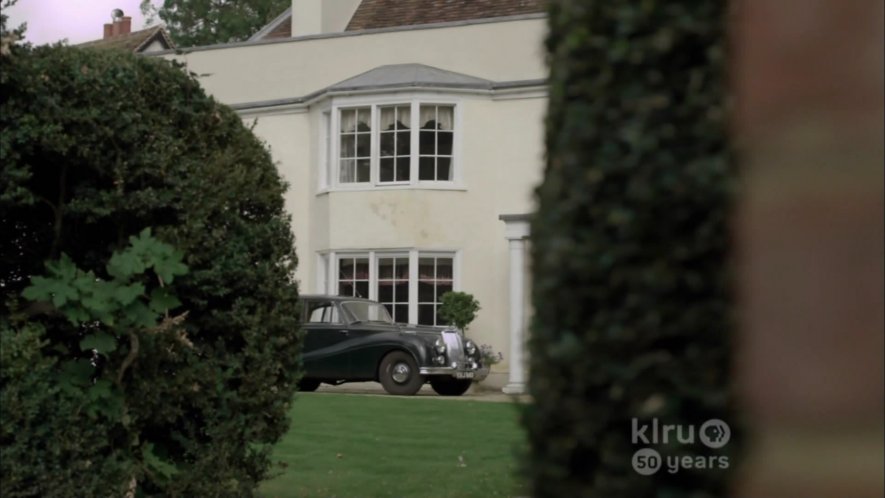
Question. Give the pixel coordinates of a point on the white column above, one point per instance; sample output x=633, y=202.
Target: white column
x=517, y=230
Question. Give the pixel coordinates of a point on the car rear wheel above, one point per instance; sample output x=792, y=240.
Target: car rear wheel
x=308, y=385
x=399, y=374
x=449, y=386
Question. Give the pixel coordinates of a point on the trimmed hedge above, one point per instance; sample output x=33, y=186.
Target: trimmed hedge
x=96, y=147
x=631, y=279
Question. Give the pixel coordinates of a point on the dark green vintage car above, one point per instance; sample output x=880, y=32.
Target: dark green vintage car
x=349, y=339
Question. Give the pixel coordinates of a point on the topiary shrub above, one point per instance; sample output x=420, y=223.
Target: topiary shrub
x=96, y=146
x=630, y=250
x=458, y=309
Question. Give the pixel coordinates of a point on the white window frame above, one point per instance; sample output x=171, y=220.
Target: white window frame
x=327, y=276
x=331, y=164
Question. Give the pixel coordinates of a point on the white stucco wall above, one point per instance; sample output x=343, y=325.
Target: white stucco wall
x=500, y=156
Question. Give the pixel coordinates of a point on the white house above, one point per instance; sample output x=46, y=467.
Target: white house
x=411, y=134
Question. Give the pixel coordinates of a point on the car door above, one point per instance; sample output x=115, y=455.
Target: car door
x=325, y=354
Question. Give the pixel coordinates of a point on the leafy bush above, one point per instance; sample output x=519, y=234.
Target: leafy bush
x=630, y=246
x=458, y=309
x=96, y=146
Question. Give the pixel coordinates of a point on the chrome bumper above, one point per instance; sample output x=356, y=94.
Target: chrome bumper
x=458, y=373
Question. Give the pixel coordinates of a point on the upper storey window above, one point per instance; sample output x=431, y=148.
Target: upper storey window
x=394, y=144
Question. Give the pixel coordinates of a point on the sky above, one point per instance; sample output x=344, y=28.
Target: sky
x=77, y=20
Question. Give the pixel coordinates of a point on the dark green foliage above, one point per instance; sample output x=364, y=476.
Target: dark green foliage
x=66, y=453
x=630, y=246
x=193, y=23
x=96, y=146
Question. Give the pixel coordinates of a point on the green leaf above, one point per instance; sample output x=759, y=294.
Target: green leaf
x=99, y=341
x=124, y=265
x=62, y=292
x=126, y=294
x=162, y=300
x=139, y=315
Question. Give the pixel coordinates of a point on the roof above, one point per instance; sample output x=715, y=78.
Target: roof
x=374, y=14
x=409, y=75
x=135, y=41
x=377, y=14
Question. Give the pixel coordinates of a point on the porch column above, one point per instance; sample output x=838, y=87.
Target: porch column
x=516, y=232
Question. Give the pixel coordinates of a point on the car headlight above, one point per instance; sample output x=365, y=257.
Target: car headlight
x=439, y=346
x=470, y=348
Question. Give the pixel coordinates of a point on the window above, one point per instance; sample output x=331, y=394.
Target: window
x=356, y=140
x=322, y=312
x=409, y=283
x=393, y=286
x=353, y=277
x=437, y=136
x=434, y=280
x=396, y=144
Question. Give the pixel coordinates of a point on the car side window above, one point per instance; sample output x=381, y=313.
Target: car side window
x=322, y=312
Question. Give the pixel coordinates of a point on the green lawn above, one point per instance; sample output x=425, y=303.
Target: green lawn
x=363, y=446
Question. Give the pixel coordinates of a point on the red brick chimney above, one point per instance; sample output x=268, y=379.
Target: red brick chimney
x=121, y=26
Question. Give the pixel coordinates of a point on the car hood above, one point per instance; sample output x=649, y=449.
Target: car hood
x=411, y=328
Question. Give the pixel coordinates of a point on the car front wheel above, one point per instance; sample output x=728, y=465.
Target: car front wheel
x=449, y=386
x=399, y=374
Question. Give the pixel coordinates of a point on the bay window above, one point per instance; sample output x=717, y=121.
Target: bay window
x=395, y=144
x=409, y=283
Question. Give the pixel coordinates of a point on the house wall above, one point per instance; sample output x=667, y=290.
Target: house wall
x=500, y=160
x=500, y=51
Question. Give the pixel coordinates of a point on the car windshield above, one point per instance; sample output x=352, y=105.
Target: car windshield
x=365, y=311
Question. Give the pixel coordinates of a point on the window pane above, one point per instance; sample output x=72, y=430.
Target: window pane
x=362, y=170
x=386, y=144
x=401, y=313
x=442, y=288
x=444, y=268
x=385, y=292
x=444, y=141
x=388, y=118
x=403, y=143
x=403, y=117
x=362, y=289
x=402, y=268
x=348, y=145
x=426, y=268
x=386, y=169
x=345, y=267
x=425, y=171
x=365, y=114
x=427, y=143
x=426, y=314
x=445, y=117
x=402, y=292
x=345, y=289
x=402, y=169
x=425, y=292
x=444, y=169
x=362, y=269
x=363, y=144
x=385, y=268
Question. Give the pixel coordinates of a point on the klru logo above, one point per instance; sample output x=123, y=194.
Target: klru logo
x=713, y=433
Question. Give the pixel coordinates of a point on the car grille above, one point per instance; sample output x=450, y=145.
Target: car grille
x=454, y=348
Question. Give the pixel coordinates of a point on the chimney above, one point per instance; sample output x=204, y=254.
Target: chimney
x=121, y=25
x=125, y=26
x=312, y=17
